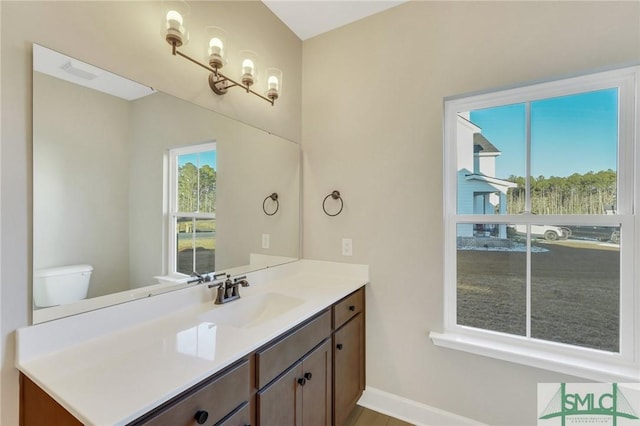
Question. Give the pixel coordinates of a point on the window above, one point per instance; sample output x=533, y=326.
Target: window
x=540, y=227
x=192, y=213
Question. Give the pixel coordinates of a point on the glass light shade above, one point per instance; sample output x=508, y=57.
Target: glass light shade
x=216, y=46
x=173, y=18
x=274, y=83
x=249, y=67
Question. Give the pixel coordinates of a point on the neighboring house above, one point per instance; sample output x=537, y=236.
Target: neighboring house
x=479, y=191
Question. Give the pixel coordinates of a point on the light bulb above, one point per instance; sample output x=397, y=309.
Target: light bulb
x=272, y=83
x=247, y=66
x=215, y=46
x=174, y=20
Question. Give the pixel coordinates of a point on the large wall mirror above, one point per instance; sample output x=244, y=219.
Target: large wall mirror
x=133, y=190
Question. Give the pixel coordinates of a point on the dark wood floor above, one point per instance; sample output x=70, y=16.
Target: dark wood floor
x=361, y=416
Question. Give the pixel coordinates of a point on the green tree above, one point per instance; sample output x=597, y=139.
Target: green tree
x=188, y=188
x=590, y=193
x=207, y=190
x=196, y=188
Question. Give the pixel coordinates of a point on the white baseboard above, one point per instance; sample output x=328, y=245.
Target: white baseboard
x=410, y=411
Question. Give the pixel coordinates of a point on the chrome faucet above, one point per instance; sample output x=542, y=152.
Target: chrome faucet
x=227, y=290
x=198, y=278
x=204, y=278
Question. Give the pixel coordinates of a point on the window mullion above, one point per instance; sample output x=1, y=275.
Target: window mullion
x=193, y=243
x=172, y=225
x=527, y=166
x=198, y=187
x=527, y=203
x=528, y=283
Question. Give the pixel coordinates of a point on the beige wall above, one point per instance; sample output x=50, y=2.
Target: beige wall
x=123, y=37
x=372, y=128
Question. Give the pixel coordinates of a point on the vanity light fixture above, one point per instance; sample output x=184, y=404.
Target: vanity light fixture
x=174, y=31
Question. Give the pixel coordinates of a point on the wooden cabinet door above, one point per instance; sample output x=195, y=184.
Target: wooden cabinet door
x=280, y=403
x=302, y=396
x=316, y=391
x=348, y=358
x=38, y=408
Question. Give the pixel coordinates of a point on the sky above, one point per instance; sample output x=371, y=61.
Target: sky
x=206, y=158
x=569, y=134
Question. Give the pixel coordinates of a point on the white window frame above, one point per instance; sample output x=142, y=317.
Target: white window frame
x=592, y=364
x=173, y=213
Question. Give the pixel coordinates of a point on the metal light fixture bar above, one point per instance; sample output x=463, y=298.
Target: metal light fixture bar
x=174, y=31
x=217, y=80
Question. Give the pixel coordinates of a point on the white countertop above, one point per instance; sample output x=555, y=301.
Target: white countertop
x=110, y=366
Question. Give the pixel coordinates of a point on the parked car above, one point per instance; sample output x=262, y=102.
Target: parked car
x=548, y=232
x=615, y=237
x=599, y=233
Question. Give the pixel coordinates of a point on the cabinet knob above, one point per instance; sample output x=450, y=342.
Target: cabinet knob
x=352, y=308
x=302, y=381
x=201, y=416
x=339, y=346
x=308, y=375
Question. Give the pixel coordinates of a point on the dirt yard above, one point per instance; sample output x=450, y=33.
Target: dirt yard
x=205, y=261
x=574, y=293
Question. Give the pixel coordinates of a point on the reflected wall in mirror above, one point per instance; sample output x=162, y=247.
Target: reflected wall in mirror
x=102, y=191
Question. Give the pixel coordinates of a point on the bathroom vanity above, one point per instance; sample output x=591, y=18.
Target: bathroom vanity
x=290, y=351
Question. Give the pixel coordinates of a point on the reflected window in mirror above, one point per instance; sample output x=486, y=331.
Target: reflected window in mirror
x=192, y=216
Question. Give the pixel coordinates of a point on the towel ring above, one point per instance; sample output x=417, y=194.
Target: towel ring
x=273, y=197
x=336, y=196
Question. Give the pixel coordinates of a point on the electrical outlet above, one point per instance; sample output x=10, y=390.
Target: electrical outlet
x=347, y=247
x=266, y=241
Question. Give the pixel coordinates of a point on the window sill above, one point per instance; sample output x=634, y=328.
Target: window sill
x=597, y=370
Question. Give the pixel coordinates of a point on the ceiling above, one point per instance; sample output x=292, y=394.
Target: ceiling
x=61, y=66
x=309, y=18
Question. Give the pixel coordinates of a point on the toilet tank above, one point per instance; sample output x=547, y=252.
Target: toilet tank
x=61, y=284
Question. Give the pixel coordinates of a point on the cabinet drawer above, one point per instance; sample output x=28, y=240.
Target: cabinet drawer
x=347, y=308
x=274, y=359
x=239, y=418
x=218, y=396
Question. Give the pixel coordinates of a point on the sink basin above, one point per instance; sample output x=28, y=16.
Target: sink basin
x=252, y=310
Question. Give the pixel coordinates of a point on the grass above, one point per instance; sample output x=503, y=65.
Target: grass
x=205, y=242
x=205, y=234
x=574, y=293
x=204, y=245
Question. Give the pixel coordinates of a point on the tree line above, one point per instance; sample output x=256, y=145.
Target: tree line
x=589, y=193
x=196, y=188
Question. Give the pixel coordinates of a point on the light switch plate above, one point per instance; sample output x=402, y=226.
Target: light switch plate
x=266, y=241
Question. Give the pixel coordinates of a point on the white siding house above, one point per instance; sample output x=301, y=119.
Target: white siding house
x=479, y=191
